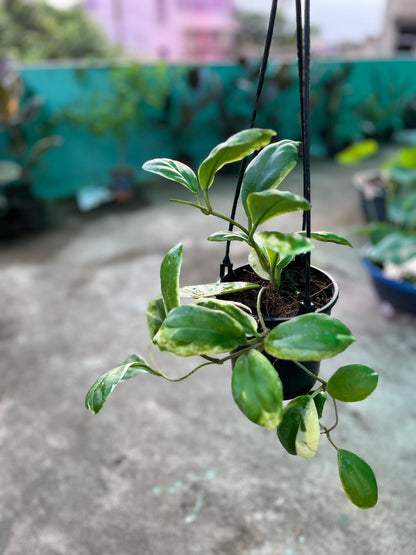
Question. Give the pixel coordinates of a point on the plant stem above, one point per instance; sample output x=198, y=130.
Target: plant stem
x=187, y=202
x=336, y=416
x=303, y=367
x=259, y=313
x=187, y=375
x=229, y=220
x=254, y=345
x=328, y=436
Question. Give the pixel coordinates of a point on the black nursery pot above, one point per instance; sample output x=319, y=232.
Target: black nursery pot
x=294, y=380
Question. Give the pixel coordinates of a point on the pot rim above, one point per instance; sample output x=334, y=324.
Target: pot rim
x=327, y=307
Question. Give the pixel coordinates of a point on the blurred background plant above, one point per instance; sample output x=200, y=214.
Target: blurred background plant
x=25, y=143
x=38, y=31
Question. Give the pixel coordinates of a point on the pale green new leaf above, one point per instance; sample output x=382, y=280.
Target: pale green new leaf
x=352, y=383
x=286, y=244
x=196, y=330
x=214, y=289
x=104, y=385
x=235, y=148
x=173, y=170
x=156, y=313
x=299, y=431
x=269, y=168
x=265, y=205
x=327, y=237
x=169, y=277
x=235, y=310
x=357, y=151
x=257, y=389
x=308, y=337
x=357, y=479
x=255, y=263
x=236, y=235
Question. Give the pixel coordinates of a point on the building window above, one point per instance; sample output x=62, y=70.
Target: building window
x=406, y=37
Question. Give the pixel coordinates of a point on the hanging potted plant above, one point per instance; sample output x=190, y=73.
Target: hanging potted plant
x=248, y=332
x=220, y=329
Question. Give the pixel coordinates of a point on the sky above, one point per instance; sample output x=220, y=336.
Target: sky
x=339, y=20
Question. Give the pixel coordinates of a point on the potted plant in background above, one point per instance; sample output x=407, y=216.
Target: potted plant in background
x=134, y=91
x=390, y=256
x=21, y=211
x=220, y=328
x=395, y=178
x=388, y=199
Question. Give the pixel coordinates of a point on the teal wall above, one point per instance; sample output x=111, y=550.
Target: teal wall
x=348, y=99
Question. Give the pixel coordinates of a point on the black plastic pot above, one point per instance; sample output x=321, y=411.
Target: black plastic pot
x=400, y=294
x=373, y=195
x=294, y=380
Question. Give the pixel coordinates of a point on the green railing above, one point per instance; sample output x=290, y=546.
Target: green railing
x=201, y=107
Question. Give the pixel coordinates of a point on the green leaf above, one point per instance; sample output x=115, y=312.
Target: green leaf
x=286, y=244
x=269, y=168
x=397, y=247
x=236, y=235
x=357, y=152
x=173, y=170
x=308, y=337
x=235, y=148
x=255, y=263
x=257, y=389
x=327, y=237
x=320, y=399
x=402, y=210
x=358, y=479
x=265, y=205
x=214, y=289
x=196, y=330
x=299, y=431
x=247, y=322
x=169, y=277
x=352, y=383
x=104, y=385
x=156, y=313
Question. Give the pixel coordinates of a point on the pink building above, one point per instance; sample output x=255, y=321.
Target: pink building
x=172, y=30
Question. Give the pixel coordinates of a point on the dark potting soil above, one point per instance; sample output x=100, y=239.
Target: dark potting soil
x=286, y=301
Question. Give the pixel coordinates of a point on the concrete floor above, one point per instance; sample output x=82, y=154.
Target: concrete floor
x=176, y=469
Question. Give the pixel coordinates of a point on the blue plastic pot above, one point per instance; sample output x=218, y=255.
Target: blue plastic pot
x=400, y=294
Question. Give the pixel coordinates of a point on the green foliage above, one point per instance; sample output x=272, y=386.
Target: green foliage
x=308, y=337
x=235, y=148
x=37, y=31
x=210, y=326
x=357, y=479
x=101, y=389
x=268, y=169
x=299, y=431
x=196, y=330
x=356, y=152
x=133, y=90
x=169, y=278
x=352, y=383
x=257, y=389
